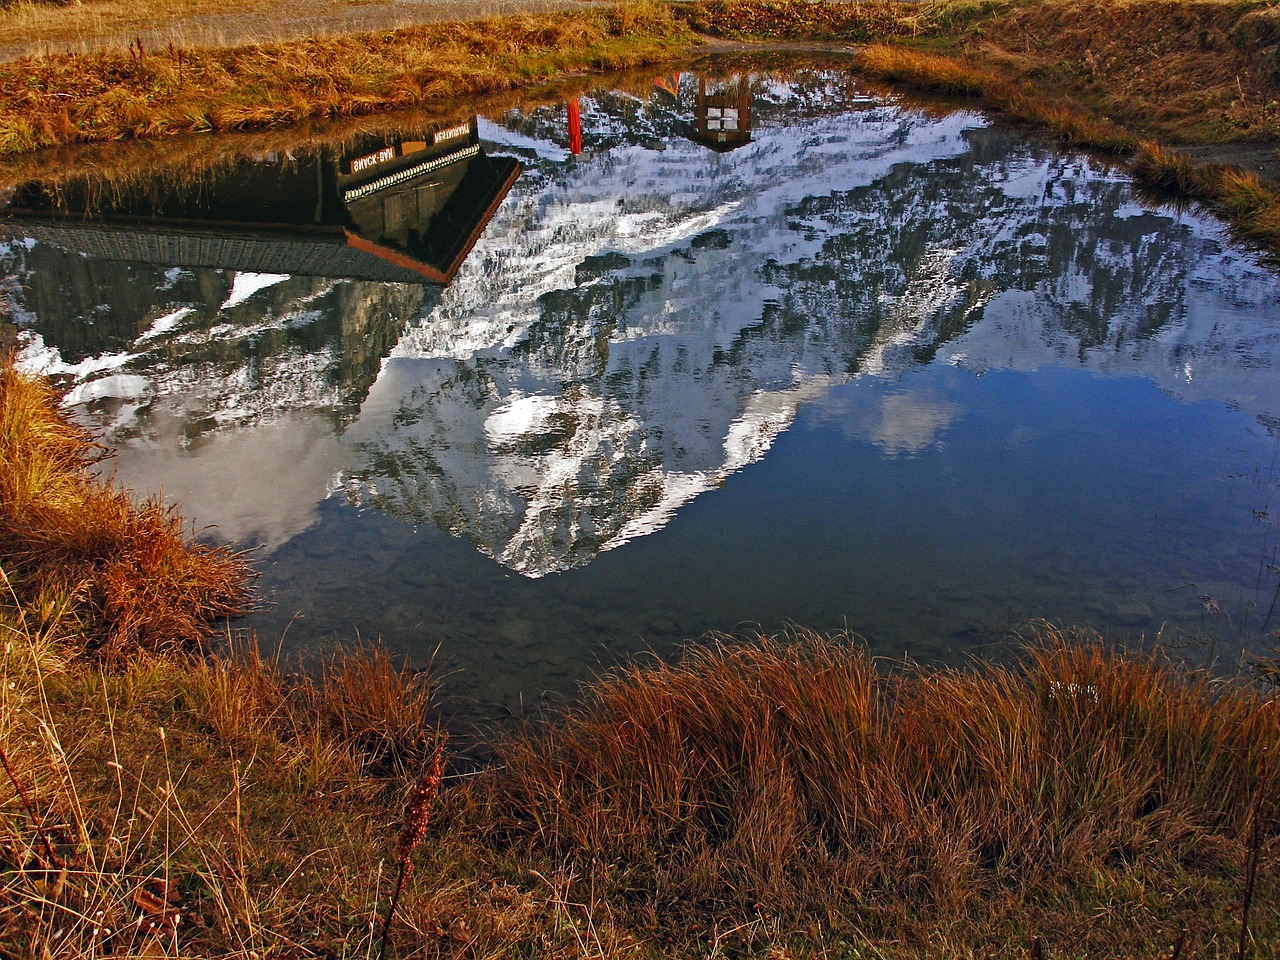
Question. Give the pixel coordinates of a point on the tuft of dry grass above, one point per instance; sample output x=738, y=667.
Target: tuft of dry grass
x=793, y=773
x=931, y=71
x=381, y=714
x=1244, y=199
x=194, y=807
x=81, y=558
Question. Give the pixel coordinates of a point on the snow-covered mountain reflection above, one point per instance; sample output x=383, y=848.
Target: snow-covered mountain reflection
x=641, y=320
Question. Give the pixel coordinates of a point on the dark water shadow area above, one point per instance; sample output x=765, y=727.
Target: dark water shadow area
x=539, y=389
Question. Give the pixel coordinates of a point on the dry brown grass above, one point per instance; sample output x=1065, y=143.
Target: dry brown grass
x=140, y=93
x=32, y=27
x=1103, y=74
x=195, y=807
x=1181, y=70
x=1022, y=91
x=1020, y=99
x=83, y=559
x=774, y=799
x=791, y=777
x=806, y=20
x=769, y=800
x=98, y=169
x=160, y=802
x=1249, y=204
x=378, y=714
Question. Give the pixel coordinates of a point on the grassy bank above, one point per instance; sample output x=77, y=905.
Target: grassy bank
x=1096, y=800
x=152, y=93
x=1139, y=78
x=1245, y=199
x=772, y=797
x=1179, y=71
x=1250, y=205
x=1184, y=71
x=151, y=795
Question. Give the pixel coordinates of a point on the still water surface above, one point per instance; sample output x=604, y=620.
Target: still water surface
x=730, y=349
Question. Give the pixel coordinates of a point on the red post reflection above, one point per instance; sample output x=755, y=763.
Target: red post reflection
x=575, y=128
x=669, y=83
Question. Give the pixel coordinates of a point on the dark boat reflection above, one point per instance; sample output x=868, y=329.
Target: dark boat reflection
x=406, y=209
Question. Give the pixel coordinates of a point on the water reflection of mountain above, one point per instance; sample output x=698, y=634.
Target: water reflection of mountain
x=639, y=321
x=647, y=321
x=213, y=347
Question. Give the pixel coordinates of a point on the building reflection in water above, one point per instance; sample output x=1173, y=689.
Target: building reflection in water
x=722, y=113
x=404, y=209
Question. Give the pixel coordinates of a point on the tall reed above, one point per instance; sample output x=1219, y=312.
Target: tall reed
x=417, y=817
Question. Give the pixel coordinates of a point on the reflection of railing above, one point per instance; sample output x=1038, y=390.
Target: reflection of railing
x=410, y=173
x=575, y=127
x=183, y=246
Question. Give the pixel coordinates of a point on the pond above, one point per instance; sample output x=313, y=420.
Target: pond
x=728, y=348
